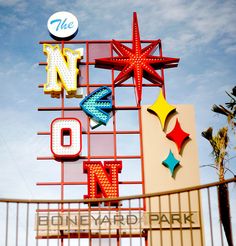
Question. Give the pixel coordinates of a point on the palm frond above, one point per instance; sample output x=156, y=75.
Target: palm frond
x=220, y=110
x=208, y=134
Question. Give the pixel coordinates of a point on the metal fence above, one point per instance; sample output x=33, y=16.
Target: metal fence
x=182, y=217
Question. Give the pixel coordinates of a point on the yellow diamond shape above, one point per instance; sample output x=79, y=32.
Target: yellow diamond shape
x=161, y=108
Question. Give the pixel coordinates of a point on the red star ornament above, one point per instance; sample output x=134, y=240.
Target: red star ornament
x=178, y=135
x=137, y=62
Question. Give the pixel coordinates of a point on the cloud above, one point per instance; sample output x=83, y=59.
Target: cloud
x=10, y=3
x=191, y=24
x=182, y=24
x=18, y=6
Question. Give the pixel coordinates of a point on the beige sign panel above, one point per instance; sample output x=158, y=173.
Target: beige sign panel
x=158, y=178
x=156, y=147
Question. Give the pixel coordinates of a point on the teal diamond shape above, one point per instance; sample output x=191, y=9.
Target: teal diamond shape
x=171, y=162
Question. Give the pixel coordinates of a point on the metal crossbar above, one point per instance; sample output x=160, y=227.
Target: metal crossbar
x=79, y=222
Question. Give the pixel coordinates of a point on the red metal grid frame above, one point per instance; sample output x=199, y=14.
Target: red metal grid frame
x=88, y=86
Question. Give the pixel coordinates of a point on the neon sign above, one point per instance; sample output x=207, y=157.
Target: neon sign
x=137, y=62
x=60, y=128
x=62, y=25
x=154, y=143
x=102, y=180
x=61, y=73
x=97, y=106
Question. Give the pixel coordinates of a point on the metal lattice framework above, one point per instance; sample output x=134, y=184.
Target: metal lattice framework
x=86, y=68
x=111, y=135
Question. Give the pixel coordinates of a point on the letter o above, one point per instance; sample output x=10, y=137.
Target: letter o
x=60, y=127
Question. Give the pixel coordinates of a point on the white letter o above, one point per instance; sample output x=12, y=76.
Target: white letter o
x=66, y=126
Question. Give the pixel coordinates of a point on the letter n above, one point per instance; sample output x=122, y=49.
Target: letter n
x=61, y=72
x=102, y=180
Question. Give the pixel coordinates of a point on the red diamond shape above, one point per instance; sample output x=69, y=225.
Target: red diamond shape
x=177, y=135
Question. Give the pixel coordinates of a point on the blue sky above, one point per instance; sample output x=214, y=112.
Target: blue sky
x=201, y=33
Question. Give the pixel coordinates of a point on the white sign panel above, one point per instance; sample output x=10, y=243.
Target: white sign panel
x=62, y=25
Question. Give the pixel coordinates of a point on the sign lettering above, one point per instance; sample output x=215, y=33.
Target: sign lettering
x=116, y=220
x=61, y=72
x=102, y=180
x=62, y=128
x=62, y=25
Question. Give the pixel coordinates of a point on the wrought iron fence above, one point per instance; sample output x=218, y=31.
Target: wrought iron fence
x=181, y=217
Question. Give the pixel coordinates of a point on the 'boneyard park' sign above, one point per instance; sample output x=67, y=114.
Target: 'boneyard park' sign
x=113, y=221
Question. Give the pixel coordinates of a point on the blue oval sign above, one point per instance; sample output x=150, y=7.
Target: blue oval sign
x=62, y=25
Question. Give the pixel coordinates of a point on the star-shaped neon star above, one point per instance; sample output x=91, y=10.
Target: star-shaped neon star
x=137, y=62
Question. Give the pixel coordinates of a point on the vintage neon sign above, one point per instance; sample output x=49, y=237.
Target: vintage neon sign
x=62, y=128
x=103, y=177
x=137, y=62
x=62, y=25
x=61, y=72
x=102, y=180
x=97, y=106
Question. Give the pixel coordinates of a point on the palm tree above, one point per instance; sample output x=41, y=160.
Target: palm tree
x=219, y=144
x=230, y=110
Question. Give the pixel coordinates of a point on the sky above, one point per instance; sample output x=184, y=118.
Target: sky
x=201, y=33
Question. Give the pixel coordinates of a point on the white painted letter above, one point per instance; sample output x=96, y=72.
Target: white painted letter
x=61, y=73
x=62, y=128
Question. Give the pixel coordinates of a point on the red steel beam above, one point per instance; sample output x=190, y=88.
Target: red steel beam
x=41, y=158
x=79, y=108
x=91, y=41
x=97, y=132
x=84, y=183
